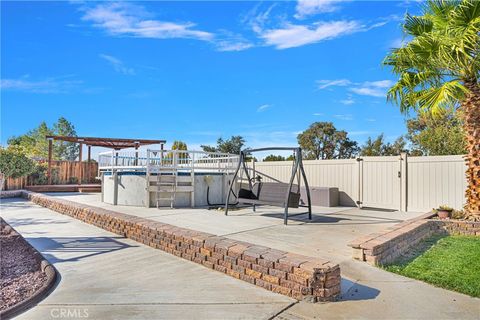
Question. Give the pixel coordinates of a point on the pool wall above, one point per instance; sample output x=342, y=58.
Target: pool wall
x=130, y=189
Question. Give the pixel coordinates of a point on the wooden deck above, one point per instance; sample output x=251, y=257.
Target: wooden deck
x=66, y=188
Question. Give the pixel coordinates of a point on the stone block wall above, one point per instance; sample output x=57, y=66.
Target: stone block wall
x=297, y=276
x=386, y=246
x=460, y=227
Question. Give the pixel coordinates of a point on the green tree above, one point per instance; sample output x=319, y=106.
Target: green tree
x=64, y=150
x=233, y=145
x=179, y=145
x=373, y=147
x=15, y=164
x=378, y=147
x=273, y=157
x=436, y=135
x=290, y=158
x=323, y=141
x=439, y=69
x=34, y=144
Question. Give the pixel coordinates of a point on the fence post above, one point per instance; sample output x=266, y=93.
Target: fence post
x=360, y=182
x=403, y=181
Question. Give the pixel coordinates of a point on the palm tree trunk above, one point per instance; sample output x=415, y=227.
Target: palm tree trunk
x=471, y=112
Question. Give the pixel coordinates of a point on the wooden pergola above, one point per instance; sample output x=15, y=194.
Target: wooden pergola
x=112, y=143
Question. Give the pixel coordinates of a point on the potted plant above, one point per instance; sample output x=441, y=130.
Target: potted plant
x=444, y=212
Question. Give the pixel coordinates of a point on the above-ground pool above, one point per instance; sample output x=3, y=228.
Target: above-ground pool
x=166, y=178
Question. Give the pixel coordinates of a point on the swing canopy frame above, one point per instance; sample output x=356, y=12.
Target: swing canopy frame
x=275, y=193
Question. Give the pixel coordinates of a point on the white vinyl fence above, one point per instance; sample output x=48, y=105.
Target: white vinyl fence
x=398, y=182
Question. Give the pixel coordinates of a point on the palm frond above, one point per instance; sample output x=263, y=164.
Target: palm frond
x=417, y=25
x=437, y=99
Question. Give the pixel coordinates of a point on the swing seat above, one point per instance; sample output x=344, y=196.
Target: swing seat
x=269, y=193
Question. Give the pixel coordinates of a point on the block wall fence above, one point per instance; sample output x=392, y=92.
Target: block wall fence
x=404, y=183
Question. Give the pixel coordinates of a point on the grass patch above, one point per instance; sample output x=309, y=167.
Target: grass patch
x=451, y=262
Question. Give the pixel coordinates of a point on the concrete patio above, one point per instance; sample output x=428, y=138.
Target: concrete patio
x=325, y=236
x=367, y=292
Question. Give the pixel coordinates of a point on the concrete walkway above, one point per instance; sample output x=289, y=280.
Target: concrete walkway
x=104, y=276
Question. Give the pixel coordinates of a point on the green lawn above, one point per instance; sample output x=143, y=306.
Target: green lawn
x=452, y=263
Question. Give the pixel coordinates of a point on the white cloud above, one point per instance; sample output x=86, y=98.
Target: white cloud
x=228, y=41
x=257, y=20
x=345, y=117
x=126, y=19
x=264, y=107
x=292, y=35
x=373, y=88
x=233, y=46
x=318, y=114
x=347, y=101
x=370, y=119
x=48, y=85
x=311, y=7
x=117, y=64
x=323, y=84
x=367, y=88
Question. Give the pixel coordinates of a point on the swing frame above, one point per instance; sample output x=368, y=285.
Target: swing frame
x=297, y=170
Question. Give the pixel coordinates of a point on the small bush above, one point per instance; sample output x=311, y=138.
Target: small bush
x=15, y=164
x=73, y=180
x=39, y=175
x=458, y=214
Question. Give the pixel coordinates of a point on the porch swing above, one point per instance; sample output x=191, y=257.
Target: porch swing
x=276, y=193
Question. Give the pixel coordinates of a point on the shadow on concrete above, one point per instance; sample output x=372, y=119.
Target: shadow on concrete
x=332, y=218
x=11, y=203
x=378, y=209
x=355, y=291
x=303, y=217
x=16, y=222
x=76, y=248
x=365, y=217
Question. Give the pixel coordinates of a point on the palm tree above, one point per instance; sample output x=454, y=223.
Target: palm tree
x=439, y=69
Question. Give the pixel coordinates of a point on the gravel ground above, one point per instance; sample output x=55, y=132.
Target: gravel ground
x=20, y=274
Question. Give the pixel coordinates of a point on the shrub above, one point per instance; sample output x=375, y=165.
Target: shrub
x=39, y=175
x=14, y=164
x=458, y=214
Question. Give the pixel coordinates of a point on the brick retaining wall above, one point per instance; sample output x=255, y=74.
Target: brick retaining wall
x=460, y=227
x=385, y=247
x=297, y=276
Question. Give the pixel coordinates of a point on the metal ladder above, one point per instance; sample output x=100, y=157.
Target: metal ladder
x=166, y=183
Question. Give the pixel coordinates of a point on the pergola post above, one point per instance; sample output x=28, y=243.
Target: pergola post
x=80, y=161
x=89, y=158
x=49, y=170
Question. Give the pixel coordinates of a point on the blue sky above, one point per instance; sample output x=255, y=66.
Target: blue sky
x=195, y=71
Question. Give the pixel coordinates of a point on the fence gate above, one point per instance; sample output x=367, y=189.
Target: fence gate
x=380, y=182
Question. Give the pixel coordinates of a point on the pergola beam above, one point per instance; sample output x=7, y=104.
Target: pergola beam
x=114, y=143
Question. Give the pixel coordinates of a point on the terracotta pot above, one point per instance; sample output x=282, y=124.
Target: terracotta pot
x=444, y=214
